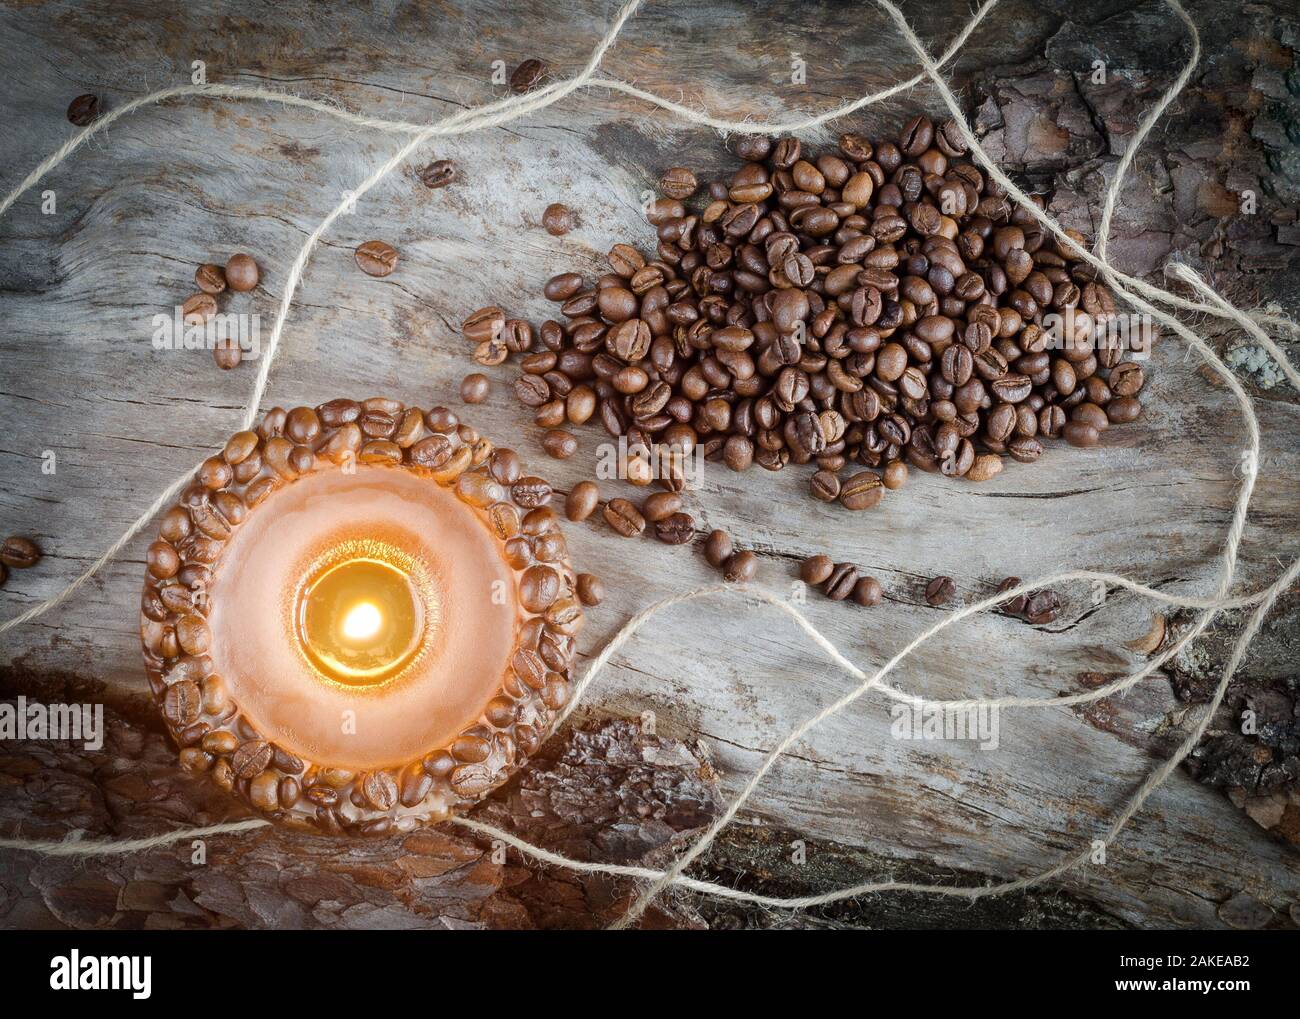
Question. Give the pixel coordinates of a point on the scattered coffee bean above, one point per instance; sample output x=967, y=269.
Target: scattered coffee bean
x=677, y=529
x=376, y=258
x=867, y=591
x=227, y=353
x=862, y=491
x=940, y=591
x=582, y=501
x=841, y=582
x=560, y=444
x=210, y=278
x=660, y=506
x=624, y=518
x=590, y=589
x=1042, y=607
x=199, y=309
x=474, y=388
x=558, y=219
x=438, y=174
x=678, y=183
x=741, y=568
x=825, y=486
x=527, y=76
x=816, y=569
x=19, y=553
x=717, y=548
x=242, y=273
x=1014, y=606
x=83, y=110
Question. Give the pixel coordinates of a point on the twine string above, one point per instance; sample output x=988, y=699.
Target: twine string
x=1135, y=291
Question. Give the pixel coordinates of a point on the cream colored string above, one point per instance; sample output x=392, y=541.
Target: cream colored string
x=455, y=125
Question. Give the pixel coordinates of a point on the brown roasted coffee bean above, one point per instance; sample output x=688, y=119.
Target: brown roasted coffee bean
x=741, y=568
x=527, y=76
x=21, y=553
x=558, y=219
x=940, y=591
x=660, y=506
x=198, y=309
x=84, y=110
x=1042, y=606
x=589, y=588
x=624, y=518
x=862, y=491
x=825, y=486
x=676, y=529
x=475, y=388
x=816, y=569
x=678, y=183
x=717, y=548
x=1014, y=606
x=210, y=278
x=867, y=591
x=438, y=174
x=242, y=273
x=581, y=501
x=376, y=258
x=560, y=444
x=841, y=582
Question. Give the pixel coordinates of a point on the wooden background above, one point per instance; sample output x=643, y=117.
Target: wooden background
x=193, y=181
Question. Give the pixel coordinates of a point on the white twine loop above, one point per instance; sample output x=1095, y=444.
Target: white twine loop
x=1137, y=292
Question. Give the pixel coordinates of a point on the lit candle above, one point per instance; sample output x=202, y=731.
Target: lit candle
x=360, y=648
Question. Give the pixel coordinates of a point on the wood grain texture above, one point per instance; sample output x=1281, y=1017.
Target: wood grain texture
x=173, y=186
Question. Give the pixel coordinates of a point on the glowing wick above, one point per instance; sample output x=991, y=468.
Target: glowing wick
x=362, y=622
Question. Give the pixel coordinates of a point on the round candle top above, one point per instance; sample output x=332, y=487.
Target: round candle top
x=360, y=617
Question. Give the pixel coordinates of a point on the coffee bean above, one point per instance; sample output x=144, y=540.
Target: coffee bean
x=19, y=553
x=717, y=548
x=660, y=506
x=1042, y=606
x=841, y=582
x=867, y=591
x=199, y=309
x=242, y=273
x=624, y=518
x=581, y=501
x=678, y=183
x=861, y=492
x=84, y=110
x=1014, y=606
x=940, y=591
x=376, y=258
x=559, y=443
x=589, y=589
x=1081, y=434
x=475, y=388
x=438, y=174
x=677, y=529
x=741, y=568
x=815, y=569
x=558, y=219
x=527, y=76
x=210, y=278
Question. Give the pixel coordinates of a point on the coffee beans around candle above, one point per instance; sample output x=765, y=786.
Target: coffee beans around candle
x=474, y=388
x=242, y=273
x=376, y=258
x=204, y=715
x=558, y=219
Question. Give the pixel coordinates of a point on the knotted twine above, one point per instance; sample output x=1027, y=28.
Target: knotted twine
x=1136, y=292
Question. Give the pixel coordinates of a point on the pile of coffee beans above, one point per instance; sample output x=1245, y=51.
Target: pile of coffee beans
x=18, y=554
x=240, y=274
x=864, y=310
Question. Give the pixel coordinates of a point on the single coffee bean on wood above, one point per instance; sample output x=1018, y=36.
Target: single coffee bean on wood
x=624, y=518
x=527, y=76
x=560, y=444
x=867, y=591
x=676, y=529
x=210, y=278
x=376, y=258
x=816, y=569
x=242, y=273
x=19, y=553
x=717, y=548
x=558, y=219
x=474, y=388
x=83, y=110
x=590, y=589
x=1014, y=606
x=940, y=591
x=438, y=174
x=581, y=501
x=741, y=568
x=841, y=582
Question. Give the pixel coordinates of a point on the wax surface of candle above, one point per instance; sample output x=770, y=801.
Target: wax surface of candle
x=453, y=574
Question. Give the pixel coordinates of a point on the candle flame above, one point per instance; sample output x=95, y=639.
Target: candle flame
x=362, y=621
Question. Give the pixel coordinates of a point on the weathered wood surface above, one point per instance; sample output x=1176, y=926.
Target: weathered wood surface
x=174, y=186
